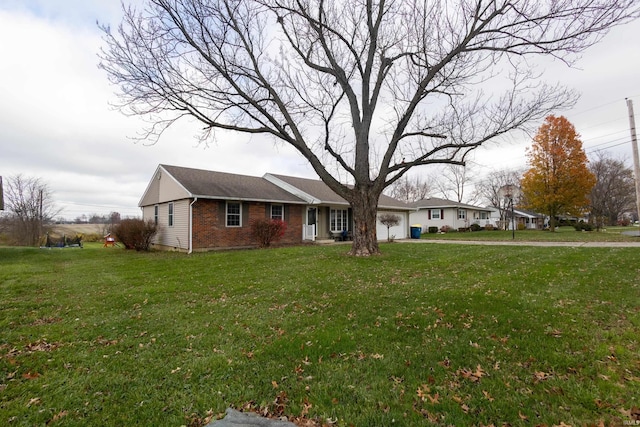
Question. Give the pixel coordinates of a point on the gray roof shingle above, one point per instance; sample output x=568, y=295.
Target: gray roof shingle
x=321, y=191
x=434, y=202
x=221, y=185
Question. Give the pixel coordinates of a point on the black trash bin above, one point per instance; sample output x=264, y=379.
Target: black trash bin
x=416, y=230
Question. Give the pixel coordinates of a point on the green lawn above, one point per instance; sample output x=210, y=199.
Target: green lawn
x=424, y=334
x=561, y=234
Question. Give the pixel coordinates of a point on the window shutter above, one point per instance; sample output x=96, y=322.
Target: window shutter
x=244, y=214
x=441, y=213
x=429, y=212
x=328, y=220
x=222, y=213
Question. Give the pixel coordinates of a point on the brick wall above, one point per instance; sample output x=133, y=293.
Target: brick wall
x=210, y=232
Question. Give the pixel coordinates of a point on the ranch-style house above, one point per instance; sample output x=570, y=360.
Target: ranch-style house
x=435, y=212
x=199, y=210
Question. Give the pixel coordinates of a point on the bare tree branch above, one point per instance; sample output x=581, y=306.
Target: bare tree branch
x=365, y=90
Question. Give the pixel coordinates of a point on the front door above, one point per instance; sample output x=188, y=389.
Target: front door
x=311, y=219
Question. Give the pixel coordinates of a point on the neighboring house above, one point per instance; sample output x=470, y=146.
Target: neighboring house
x=529, y=220
x=435, y=212
x=198, y=210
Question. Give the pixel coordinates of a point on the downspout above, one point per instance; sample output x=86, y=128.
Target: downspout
x=191, y=225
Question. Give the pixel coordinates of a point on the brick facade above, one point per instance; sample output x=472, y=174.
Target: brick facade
x=210, y=230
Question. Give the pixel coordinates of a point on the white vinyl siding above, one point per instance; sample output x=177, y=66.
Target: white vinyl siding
x=176, y=236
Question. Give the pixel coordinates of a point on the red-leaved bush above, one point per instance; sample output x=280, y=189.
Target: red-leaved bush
x=267, y=231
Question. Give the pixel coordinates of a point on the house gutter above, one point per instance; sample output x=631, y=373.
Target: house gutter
x=195, y=199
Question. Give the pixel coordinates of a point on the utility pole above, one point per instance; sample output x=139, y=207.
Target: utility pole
x=636, y=158
x=40, y=214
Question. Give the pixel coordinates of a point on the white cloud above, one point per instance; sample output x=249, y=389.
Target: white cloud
x=56, y=122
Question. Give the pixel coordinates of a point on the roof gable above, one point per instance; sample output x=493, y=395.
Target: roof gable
x=220, y=185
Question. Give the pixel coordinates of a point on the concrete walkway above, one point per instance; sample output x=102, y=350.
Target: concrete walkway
x=525, y=243
x=235, y=418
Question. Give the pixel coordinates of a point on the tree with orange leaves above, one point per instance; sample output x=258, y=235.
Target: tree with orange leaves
x=558, y=181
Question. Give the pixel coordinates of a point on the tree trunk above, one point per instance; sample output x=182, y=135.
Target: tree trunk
x=365, y=206
x=552, y=221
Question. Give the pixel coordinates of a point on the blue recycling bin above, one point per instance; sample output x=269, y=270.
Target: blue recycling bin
x=416, y=230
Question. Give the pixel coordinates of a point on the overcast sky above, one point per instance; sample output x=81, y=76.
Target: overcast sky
x=56, y=122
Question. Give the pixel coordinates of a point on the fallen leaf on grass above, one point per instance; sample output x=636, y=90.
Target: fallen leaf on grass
x=422, y=392
x=41, y=345
x=541, y=376
x=58, y=416
x=473, y=376
x=428, y=415
x=554, y=332
x=30, y=375
x=487, y=396
x=34, y=401
x=445, y=363
x=433, y=399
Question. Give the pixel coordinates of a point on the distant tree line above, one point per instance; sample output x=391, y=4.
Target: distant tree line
x=94, y=218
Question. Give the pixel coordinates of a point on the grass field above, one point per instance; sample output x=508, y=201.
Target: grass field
x=422, y=335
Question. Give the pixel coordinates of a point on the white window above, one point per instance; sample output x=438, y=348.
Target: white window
x=155, y=214
x=484, y=215
x=171, y=214
x=435, y=214
x=462, y=214
x=338, y=219
x=233, y=214
x=277, y=212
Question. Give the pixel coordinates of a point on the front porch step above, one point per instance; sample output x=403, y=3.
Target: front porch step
x=325, y=241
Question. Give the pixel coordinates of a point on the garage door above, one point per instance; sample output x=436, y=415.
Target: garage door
x=399, y=231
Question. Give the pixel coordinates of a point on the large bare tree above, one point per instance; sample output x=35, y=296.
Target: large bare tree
x=365, y=90
x=30, y=207
x=454, y=180
x=493, y=188
x=614, y=192
x=409, y=189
